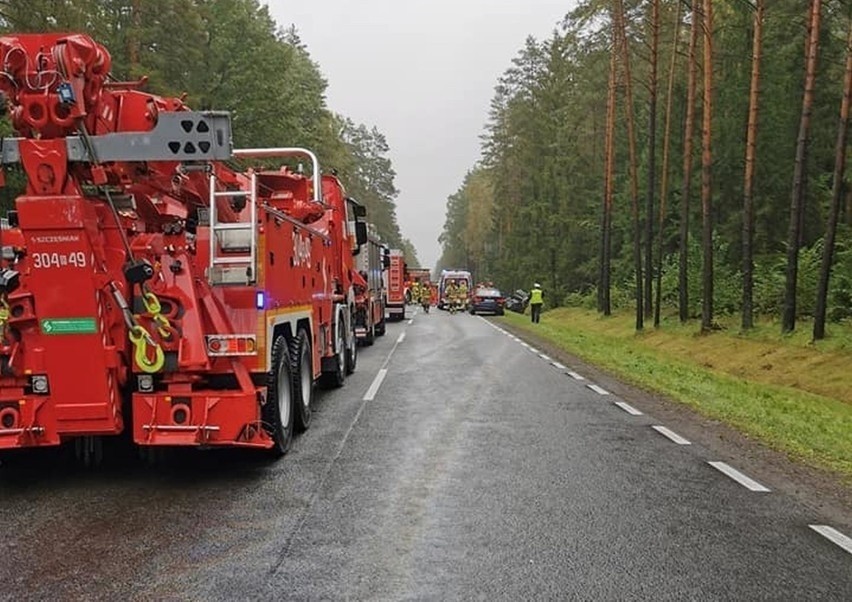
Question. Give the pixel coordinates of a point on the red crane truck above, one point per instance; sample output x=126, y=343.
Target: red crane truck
x=147, y=285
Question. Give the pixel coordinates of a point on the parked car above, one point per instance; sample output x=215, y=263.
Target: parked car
x=487, y=300
x=518, y=301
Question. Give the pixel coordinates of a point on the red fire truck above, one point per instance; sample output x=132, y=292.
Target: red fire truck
x=370, y=293
x=396, y=286
x=144, y=281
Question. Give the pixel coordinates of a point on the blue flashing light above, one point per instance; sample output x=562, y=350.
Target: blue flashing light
x=260, y=300
x=66, y=93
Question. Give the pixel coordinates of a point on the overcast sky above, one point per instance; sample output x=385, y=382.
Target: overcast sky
x=423, y=72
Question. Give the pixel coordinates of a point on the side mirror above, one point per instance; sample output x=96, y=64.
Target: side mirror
x=358, y=209
x=360, y=233
x=386, y=258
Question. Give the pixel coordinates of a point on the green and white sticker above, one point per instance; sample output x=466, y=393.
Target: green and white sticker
x=69, y=326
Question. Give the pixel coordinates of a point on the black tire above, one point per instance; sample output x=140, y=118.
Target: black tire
x=351, y=347
x=277, y=412
x=303, y=379
x=370, y=337
x=335, y=378
x=89, y=451
x=381, y=328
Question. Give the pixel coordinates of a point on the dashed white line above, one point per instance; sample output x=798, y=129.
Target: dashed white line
x=739, y=477
x=575, y=376
x=525, y=345
x=671, y=435
x=544, y=357
x=377, y=382
x=598, y=390
x=411, y=321
x=559, y=366
x=533, y=349
x=834, y=536
x=401, y=337
x=628, y=408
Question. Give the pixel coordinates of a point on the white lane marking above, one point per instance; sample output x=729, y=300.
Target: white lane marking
x=533, y=349
x=834, y=536
x=544, y=357
x=671, y=435
x=739, y=477
x=411, y=321
x=401, y=337
x=598, y=390
x=320, y=484
x=377, y=382
x=559, y=366
x=525, y=345
x=628, y=408
x=575, y=376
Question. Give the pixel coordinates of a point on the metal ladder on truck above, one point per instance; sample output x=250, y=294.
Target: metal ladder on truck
x=233, y=245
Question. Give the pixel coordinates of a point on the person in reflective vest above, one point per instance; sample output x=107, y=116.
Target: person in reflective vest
x=536, y=300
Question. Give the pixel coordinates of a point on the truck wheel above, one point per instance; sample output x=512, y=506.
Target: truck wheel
x=277, y=412
x=335, y=377
x=351, y=349
x=89, y=451
x=303, y=379
x=380, y=328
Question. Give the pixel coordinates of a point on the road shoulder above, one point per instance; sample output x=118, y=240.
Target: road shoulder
x=821, y=491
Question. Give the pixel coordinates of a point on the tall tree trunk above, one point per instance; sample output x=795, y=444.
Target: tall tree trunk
x=797, y=201
x=633, y=160
x=836, y=195
x=748, y=180
x=609, y=163
x=688, y=134
x=133, y=37
x=707, y=173
x=652, y=156
x=664, y=179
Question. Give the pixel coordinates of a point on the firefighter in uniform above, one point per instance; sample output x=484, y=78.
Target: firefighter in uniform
x=462, y=295
x=450, y=293
x=424, y=297
x=536, y=301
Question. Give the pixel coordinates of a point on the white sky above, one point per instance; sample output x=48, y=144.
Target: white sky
x=423, y=72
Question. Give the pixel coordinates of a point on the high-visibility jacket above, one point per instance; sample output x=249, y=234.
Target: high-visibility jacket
x=536, y=297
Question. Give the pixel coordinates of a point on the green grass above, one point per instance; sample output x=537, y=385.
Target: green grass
x=788, y=394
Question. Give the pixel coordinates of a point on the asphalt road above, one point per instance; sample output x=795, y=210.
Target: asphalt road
x=455, y=464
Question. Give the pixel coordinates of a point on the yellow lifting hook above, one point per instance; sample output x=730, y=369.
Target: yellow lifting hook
x=142, y=342
x=153, y=307
x=5, y=312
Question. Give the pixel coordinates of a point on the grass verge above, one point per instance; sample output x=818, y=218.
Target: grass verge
x=792, y=397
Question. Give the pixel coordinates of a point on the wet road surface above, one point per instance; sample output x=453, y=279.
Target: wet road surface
x=456, y=463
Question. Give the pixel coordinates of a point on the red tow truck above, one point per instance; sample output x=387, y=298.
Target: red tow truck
x=146, y=284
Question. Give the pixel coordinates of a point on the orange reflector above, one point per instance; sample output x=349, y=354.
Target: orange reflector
x=231, y=344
